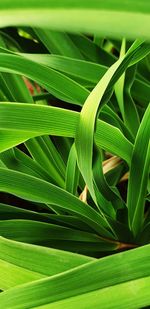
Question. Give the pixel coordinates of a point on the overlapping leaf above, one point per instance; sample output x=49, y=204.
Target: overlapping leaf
x=40, y=120
x=88, y=115
x=28, y=263
x=99, y=281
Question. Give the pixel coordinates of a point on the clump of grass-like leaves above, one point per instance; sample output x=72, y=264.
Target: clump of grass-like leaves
x=74, y=154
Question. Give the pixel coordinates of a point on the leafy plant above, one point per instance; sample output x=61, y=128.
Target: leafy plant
x=74, y=154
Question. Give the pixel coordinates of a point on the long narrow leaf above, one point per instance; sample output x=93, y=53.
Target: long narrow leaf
x=139, y=173
x=102, y=278
x=77, y=16
x=40, y=120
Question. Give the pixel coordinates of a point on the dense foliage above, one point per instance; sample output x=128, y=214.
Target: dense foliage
x=74, y=154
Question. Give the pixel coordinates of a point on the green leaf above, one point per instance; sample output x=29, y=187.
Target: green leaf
x=40, y=120
x=91, y=51
x=100, y=297
x=76, y=68
x=72, y=172
x=78, y=16
x=37, y=190
x=48, y=78
x=17, y=275
x=123, y=93
x=100, y=280
x=46, y=234
x=8, y=212
x=17, y=160
x=20, y=263
x=52, y=39
x=139, y=174
x=95, y=101
x=45, y=154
